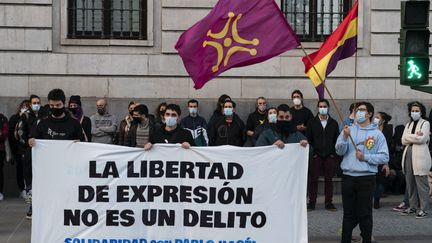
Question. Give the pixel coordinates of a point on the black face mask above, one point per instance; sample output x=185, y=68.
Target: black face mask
x=136, y=120
x=101, y=111
x=285, y=126
x=131, y=113
x=73, y=110
x=57, y=111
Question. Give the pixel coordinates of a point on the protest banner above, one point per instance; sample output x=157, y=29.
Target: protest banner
x=97, y=193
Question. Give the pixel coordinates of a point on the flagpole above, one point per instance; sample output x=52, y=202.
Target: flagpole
x=328, y=91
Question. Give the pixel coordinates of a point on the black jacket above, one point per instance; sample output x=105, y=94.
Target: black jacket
x=223, y=134
x=130, y=139
x=322, y=140
x=66, y=128
x=254, y=120
x=178, y=135
x=302, y=116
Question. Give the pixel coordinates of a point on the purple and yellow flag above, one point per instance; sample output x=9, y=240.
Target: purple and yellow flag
x=234, y=34
x=341, y=44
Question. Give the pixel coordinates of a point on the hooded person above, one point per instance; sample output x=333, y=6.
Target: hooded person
x=77, y=113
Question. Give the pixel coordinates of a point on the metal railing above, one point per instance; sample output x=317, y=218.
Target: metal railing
x=315, y=20
x=107, y=19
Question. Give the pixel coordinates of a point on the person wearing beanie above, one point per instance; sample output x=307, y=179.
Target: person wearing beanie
x=77, y=112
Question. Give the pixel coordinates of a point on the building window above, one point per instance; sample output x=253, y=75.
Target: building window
x=107, y=19
x=315, y=20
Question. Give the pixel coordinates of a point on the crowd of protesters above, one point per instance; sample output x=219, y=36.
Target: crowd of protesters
x=395, y=160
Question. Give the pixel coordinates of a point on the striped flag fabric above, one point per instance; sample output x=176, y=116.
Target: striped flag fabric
x=341, y=44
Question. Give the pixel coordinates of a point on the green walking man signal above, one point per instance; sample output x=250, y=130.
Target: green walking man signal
x=413, y=70
x=414, y=43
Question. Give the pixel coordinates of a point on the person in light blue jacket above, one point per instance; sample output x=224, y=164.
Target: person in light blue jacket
x=359, y=166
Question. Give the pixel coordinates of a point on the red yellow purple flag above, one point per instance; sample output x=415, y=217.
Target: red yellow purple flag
x=234, y=34
x=341, y=44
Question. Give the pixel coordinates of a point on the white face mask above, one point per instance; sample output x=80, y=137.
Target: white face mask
x=272, y=118
x=297, y=101
x=376, y=120
x=262, y=108
x=323, y=111
x=415, y=116
x=171, y=121
x=193, y=110
x=35, y=107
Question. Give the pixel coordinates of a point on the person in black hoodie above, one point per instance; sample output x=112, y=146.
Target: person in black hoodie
x=229, y=129
x=322, y=133
x=75, y=108
x=28, y=122
x=218, y=113
x=255, y=119
x=17, y=147
x=171, y=131
x=141, y=127
x=59, y=125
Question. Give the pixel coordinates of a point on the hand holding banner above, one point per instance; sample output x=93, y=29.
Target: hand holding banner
x=96, y=193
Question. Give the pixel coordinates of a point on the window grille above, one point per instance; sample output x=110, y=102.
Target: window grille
x=315, y=20
x=107, y=19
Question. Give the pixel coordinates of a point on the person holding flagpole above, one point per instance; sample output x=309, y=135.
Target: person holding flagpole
x=359, y=166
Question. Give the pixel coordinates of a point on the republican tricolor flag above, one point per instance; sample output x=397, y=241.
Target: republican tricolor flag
x=341, y=44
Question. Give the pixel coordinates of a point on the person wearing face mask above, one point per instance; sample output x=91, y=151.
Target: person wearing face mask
x=269, y=123
x=171, y=132
x=229, y=129
x=322, y=134
x=141, y=127
x=359, y=167
x=350, y=119
x=381, y=120
x=416, y=160
x=29, y=121
x=75, y=108
x=255, y=119
x=18, y=145
x=103, y=124
x=196, y=124
x=282, y=132
x=218, y=112
x=58, y=126
x=301, y=115
x=126, y=124
x=159, y=114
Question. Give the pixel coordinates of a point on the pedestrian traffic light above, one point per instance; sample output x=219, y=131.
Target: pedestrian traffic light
x=414, y=43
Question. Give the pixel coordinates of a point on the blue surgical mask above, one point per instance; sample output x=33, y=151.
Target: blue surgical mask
x=361, y=116
x=171, y=121
x=376, y=121
x=272, y=118
x=323, y=111
x=193, y=110
x=415, y=116
x=35, y=107
x=228, y=111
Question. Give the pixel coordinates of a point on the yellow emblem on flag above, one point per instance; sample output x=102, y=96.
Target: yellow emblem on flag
x=228, y=41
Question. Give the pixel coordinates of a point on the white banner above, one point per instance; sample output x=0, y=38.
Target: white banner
x=96, y=193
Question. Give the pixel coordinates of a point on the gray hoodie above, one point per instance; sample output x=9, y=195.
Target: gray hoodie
x=103, y=128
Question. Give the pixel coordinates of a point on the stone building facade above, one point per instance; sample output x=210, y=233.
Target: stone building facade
x=36, y=56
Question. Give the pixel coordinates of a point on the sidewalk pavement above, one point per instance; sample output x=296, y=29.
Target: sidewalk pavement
x=324, y=226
